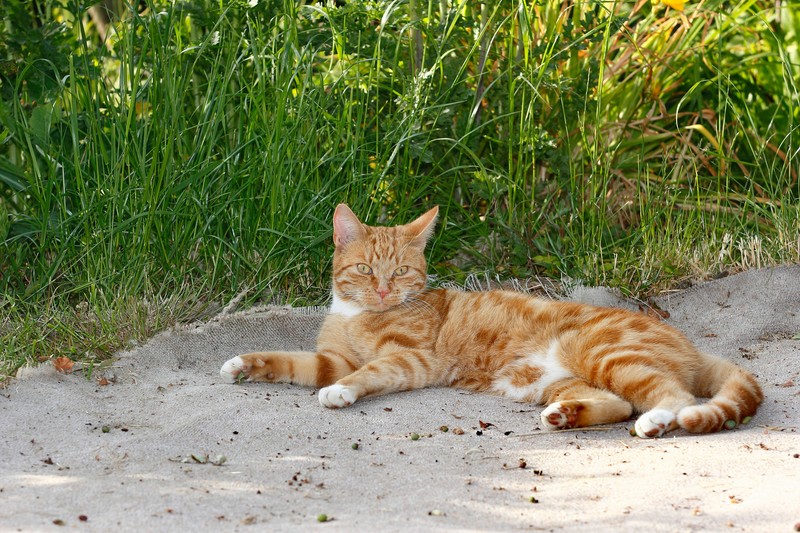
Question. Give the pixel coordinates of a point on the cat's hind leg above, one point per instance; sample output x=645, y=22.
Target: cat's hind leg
x=300, y=368
x=573, y=403
x=663, y=417
x=658, y=395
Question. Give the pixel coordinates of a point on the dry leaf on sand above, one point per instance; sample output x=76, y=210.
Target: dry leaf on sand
x=63, y=364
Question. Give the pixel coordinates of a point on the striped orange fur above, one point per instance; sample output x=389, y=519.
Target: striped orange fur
x=386, y=332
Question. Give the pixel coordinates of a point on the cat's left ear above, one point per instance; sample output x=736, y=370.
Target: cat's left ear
x=422, y=228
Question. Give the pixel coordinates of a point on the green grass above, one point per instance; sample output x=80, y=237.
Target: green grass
x=200, y=153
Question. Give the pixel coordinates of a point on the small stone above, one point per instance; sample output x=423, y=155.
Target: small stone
x=105, y=429
x=354, y=445
x=322, y=517
x=444, y=429
x=414, y=436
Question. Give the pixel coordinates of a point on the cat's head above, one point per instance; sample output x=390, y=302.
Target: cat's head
x=376, y=268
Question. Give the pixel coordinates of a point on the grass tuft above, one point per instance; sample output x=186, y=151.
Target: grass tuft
x=197, y=151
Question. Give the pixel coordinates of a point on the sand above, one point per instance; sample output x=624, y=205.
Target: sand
x=156, y=442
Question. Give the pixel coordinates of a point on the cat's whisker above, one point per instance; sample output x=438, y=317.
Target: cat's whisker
x=419, y=306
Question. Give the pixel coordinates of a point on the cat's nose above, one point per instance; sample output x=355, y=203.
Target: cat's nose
x=382, y=293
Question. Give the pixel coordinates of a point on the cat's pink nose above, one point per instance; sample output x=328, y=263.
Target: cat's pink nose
x=382, y=293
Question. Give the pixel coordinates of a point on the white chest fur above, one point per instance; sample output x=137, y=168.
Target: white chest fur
x=343, y=308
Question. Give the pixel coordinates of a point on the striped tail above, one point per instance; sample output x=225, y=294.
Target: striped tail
x=734, y=392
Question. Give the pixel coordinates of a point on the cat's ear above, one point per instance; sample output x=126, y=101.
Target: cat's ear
x=422, y=228
x=346, y=226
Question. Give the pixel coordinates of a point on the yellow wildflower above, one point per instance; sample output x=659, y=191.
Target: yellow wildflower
x=677, y=5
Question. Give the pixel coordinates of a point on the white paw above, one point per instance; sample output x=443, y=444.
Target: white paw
x=553, y=417
x=336, y=396
x=654, y=423
x=232, y=368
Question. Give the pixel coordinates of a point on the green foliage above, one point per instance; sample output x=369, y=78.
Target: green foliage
x=200, y=149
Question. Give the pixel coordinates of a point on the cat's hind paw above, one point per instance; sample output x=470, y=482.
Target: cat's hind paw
x=336, y=396
x=558, y=415
x=654, y=423
x=234, y=370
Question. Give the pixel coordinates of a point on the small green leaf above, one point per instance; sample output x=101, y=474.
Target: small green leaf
x=11, y=175
x=41, y=118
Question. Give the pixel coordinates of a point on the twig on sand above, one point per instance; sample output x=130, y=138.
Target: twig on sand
x=590, y=428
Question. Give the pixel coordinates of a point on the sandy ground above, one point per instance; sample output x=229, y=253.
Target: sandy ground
x=130, y=455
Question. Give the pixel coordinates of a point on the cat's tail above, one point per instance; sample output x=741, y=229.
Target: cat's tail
x=734, y=392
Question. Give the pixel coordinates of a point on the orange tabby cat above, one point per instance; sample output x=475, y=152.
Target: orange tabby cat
x=386, y=332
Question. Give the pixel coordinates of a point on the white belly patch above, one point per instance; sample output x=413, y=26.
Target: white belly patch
x=547, y=364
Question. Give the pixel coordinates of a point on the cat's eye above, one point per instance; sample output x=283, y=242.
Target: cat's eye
x=364, y=269
x=399, y=271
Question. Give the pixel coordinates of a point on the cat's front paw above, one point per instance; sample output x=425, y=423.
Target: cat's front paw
x=234, y=370
x=559, y=415
x=654, y=423
x=336, y=396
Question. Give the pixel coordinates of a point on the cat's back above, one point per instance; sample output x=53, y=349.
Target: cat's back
x=491, y=321
x=510, y=311
x=505, y=323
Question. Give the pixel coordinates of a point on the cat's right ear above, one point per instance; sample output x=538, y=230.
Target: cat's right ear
x=346, y=226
